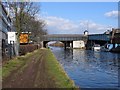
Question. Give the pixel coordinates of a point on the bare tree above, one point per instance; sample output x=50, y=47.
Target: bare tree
x=19, y=11
x=23, y=16
x=36, y=27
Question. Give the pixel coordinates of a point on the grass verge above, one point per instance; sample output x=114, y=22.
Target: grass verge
x=57, y=73
x=14, y=64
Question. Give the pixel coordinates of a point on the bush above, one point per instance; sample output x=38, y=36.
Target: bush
x=27, y=48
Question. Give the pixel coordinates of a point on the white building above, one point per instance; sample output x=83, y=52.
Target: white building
x=78, y=44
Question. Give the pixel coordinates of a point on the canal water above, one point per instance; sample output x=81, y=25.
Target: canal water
x=89, y=69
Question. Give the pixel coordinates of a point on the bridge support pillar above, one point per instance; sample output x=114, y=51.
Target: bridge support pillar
x=68, y=44
x=41, y=44
x=71, y=44
x=65, y=45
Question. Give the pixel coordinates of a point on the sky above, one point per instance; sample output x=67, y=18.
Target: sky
x=76, y=17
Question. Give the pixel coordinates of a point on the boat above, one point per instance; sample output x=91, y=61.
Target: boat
x=96, y=47
x=106, y=47
x=117, y=49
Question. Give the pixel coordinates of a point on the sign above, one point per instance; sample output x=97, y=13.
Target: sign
x=23, y=38
x=11, y=37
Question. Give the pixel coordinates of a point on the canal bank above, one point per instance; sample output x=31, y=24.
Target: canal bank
x=38, y=69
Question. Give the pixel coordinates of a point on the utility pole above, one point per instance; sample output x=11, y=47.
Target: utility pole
x=88, y=25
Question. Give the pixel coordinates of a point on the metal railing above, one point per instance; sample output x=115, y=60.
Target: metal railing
x=58, y=38
x=102, y=37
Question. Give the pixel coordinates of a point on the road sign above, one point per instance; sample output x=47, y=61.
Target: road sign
x=11, y=37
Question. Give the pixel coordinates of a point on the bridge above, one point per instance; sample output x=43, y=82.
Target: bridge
x=67, y=39
x=89, y=40
x=100, y=37
x=63, y=37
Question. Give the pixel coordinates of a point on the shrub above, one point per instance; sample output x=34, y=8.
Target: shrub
x=27, y=48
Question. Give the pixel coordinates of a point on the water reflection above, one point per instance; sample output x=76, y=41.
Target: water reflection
x=88, y=68
x=68, y=53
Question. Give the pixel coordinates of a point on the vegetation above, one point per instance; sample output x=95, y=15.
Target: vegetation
x=14, y=64
x=57, y=44
x=56, y=71
x=28, y=48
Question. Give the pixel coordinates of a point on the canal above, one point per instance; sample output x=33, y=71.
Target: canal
x=89, y=69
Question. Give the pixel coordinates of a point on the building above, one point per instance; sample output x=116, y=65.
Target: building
x=78, y=44
x=115, y=36
x=5, y=27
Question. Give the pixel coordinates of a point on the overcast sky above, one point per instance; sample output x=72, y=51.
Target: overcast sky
x=75, y=17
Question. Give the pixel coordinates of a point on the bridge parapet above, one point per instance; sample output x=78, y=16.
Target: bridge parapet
x=64, y=37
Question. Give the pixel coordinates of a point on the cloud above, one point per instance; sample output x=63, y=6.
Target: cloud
x=92, y=27
x=112, y=14
x=58, y=25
